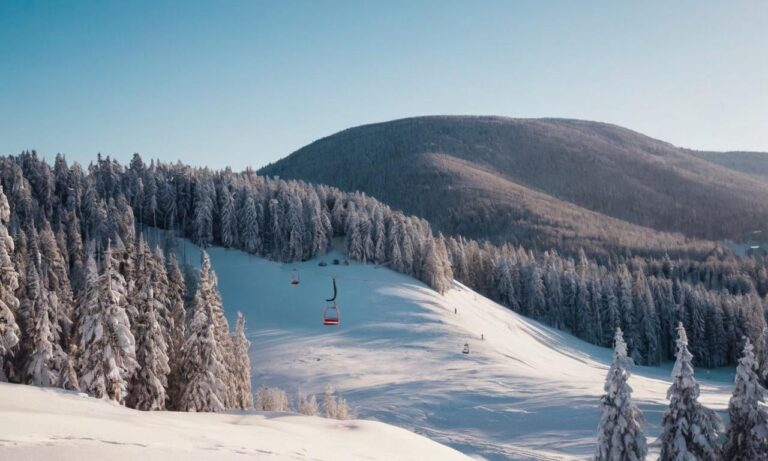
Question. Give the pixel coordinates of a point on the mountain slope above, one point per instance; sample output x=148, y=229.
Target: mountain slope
x=525, y=391
x=754, y=163
x=44, y=424
x=428, y=166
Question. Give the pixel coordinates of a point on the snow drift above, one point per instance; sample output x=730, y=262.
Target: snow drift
x=44, y=424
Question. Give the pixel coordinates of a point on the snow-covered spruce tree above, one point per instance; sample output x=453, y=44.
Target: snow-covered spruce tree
x=227, y=220
x=148, y=385
x=39, y=367
x=242, y=366
x=747, y=435
x=56, y=278
x=178, y=312
x=203, y=367
x=208, y=291
x=9, y=282
x=107, y=346
x=92, y=335
x=619, y=435
x=250, y=234
x=689, y=430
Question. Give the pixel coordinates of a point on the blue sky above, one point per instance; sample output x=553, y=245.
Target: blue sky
x=245, y=83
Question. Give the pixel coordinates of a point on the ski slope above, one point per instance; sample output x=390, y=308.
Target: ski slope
x=525, y=392
x=50, y=424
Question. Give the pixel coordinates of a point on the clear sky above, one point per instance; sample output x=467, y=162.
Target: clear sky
x=245, y=83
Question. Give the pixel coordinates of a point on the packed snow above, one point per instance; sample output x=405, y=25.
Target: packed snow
x=525, y=391
x=43, y=424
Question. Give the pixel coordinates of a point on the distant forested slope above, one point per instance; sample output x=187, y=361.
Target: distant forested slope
x=542, y=183
x=754, y=163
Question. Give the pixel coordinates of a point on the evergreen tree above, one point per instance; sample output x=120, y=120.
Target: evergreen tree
x=242, y=369
x=249, y=226
x=227, y=220
x=208, y=292
x=689, y=430
x=620, y=437
x=148, y=385
x=177, y=310
x=747, y=435
x=108, y=357
x=202, y=361
x=39, y=369
x=9, y=282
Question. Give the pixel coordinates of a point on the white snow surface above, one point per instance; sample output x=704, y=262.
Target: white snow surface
x=525, y=392
x=50, y=424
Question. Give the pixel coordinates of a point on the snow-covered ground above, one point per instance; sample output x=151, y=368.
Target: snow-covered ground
x=525, y=392
x=48, y=424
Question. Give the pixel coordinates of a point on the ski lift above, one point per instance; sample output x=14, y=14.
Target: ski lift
x=466, y=349
x=331, y=313
x=294, y=277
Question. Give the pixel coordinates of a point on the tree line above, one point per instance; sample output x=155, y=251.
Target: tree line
x=86, y=304
x=720, y=297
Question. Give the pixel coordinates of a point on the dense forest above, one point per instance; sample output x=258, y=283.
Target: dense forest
x=87, y=304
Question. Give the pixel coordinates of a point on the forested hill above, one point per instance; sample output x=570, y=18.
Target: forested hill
x=754, y=163
x=538, y=182
x=65, y=214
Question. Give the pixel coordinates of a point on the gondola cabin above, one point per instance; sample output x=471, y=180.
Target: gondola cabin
x=331, y=315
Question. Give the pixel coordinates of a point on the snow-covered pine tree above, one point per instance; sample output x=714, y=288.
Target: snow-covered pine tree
x=250, y=234
x=39, y=368
x=619, y=435
x=294, y=250
x=242, y=368
x=354, y=240
x=92, y=334
x=148, y=385
x=202, y=364
x=108, y=348
x=689, y=430
x=432, y=270
x=747, y=436
x=227, y=220
x=208, y=292
x=9, y=282
x=161, y=287
x=203, y=222
x=56, y=278
x=178, y=312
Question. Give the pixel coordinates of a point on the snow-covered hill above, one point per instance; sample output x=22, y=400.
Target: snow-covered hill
x=46, y=424
x=524, y=392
